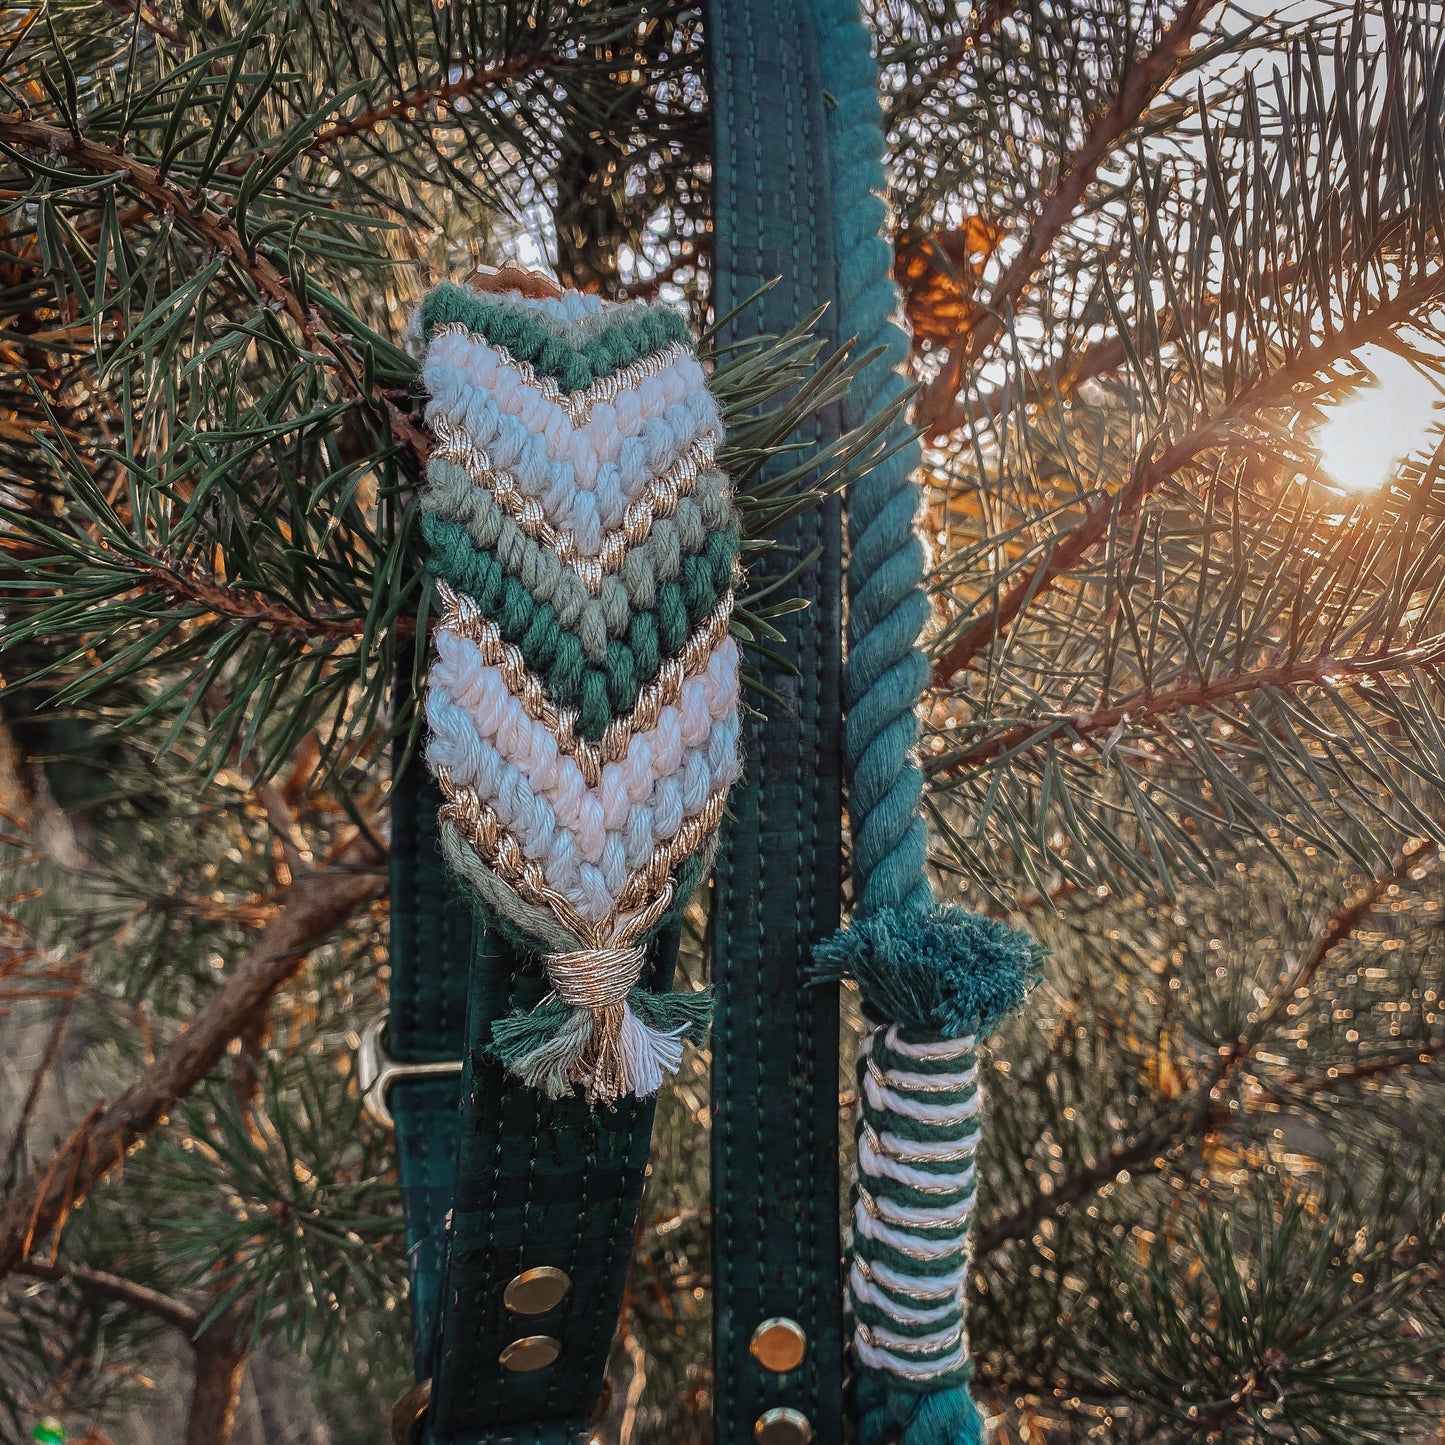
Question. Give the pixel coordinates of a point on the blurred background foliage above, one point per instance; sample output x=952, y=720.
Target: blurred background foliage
x=1185, y=722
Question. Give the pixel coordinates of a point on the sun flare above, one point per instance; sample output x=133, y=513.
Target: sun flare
x=1365, y=438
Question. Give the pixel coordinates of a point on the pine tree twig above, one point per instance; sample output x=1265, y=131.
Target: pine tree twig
x=319, y=901
x=37, y=1081
x=1101, y=359
x=283, y=824
x=951, y=58
x=247, y=605
x=99, y=1284
x=1182, y=1125
x=1070, y=546
x=198, y=212
x=151, y=18
x=1287, y=1086
x=216, y=1390
x=1147, y=76
x=411, y=104
x=1143, y=707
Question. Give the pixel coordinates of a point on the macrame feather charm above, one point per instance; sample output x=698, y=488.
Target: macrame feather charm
x=583, y=698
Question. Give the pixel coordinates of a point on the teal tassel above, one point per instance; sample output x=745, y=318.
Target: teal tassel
x=665, y=1013
x=946, y=972
x=889, y=1413
x=543, y=1047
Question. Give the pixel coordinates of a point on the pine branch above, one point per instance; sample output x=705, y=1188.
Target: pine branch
x=1289, y=1086
x=411, y=106
x=1068, y=548
x=216, y=1389
x=200, y=214
x=247, y=606
x=1147, y=76
x=949, y=59
x=1103, y=358
x=1183, y=1125
x=318, y=902
x=99, y=1284
x=1145, y=706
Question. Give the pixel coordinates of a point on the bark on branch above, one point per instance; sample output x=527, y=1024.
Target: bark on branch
x=317, y=902
x=1142, y=707
x=1147, y=76
x=98, y=1284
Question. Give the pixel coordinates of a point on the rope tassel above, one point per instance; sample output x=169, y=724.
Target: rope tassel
x=583, y=700
x=934, y=982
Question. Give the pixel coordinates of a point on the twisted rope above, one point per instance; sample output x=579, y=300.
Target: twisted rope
x=932, y=978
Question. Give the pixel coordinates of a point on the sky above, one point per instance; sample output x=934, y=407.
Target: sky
x=1366, y=436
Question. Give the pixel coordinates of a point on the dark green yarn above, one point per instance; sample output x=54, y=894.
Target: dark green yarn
x=878, y=1185
x=939, y=1097
x=540, y=1045
x=666, y=1012
x=870, y=1314
x=906, y=1265
x=919, y=1132
x=554, y=652
x=527, y=338
x=890, y=1059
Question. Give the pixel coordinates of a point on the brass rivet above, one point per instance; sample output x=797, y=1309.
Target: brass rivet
x=535, y=1291
x=783, y=1427
x=410, y=1410
x=531, y=1352
x=779, y=1344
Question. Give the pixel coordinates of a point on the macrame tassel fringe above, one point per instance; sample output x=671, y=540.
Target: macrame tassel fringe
x=887, y=1414
x=934, y=981
x=555, y=1045
x=947, y=971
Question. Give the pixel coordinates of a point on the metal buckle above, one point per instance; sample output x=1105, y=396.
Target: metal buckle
x=377, y=1071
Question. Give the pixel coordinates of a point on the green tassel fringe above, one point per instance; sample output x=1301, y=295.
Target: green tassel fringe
x=946, y=972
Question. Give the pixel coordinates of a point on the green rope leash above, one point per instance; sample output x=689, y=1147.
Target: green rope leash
x=934, y=979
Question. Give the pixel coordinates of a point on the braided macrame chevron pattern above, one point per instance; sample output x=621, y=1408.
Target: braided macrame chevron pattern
x=583, y=701
x=933, y=979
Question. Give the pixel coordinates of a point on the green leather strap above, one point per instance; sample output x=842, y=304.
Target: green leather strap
x=776, y=1243
x=507, y=1181
x=431, y=956
x=538, y=1182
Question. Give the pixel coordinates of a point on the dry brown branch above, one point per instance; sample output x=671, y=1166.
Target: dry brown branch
x=247, y=605
x=216, y=1390
x=37, y=1081
x=318, y=901
x=1069, y=547
x=98, y=1284
x=1147, y=76
x=1142, y=707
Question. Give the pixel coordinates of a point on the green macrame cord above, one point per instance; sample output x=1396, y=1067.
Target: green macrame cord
x=582, y=706
x=934, y=980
